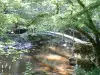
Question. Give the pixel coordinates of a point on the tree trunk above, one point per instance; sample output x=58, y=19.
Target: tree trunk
x=97, y=54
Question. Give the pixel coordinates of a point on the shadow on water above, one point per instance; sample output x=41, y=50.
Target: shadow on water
x=7, y=67
x=38, y=61
x=21, y=66
x=27, y=65
x=24, y=63
x=42, y=62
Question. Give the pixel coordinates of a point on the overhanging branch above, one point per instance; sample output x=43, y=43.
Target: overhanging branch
x=86, y=34
x=90, y=25
x=90, y=7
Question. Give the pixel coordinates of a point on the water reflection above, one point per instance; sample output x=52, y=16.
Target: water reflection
x=28, y=64
x=7, y=67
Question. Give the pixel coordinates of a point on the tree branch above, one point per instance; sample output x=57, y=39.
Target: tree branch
x=87, y=35
x=91, y=25
x=57, y=7
x=90, y=7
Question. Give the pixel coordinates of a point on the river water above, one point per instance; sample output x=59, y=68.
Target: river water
x=22, y=63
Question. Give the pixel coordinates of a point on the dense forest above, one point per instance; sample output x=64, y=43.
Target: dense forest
x=33, y=33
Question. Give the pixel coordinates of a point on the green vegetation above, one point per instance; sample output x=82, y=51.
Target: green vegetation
x=81, y=71
x=53, y=15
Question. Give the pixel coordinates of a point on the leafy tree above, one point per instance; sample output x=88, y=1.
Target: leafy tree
x=87, y=21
